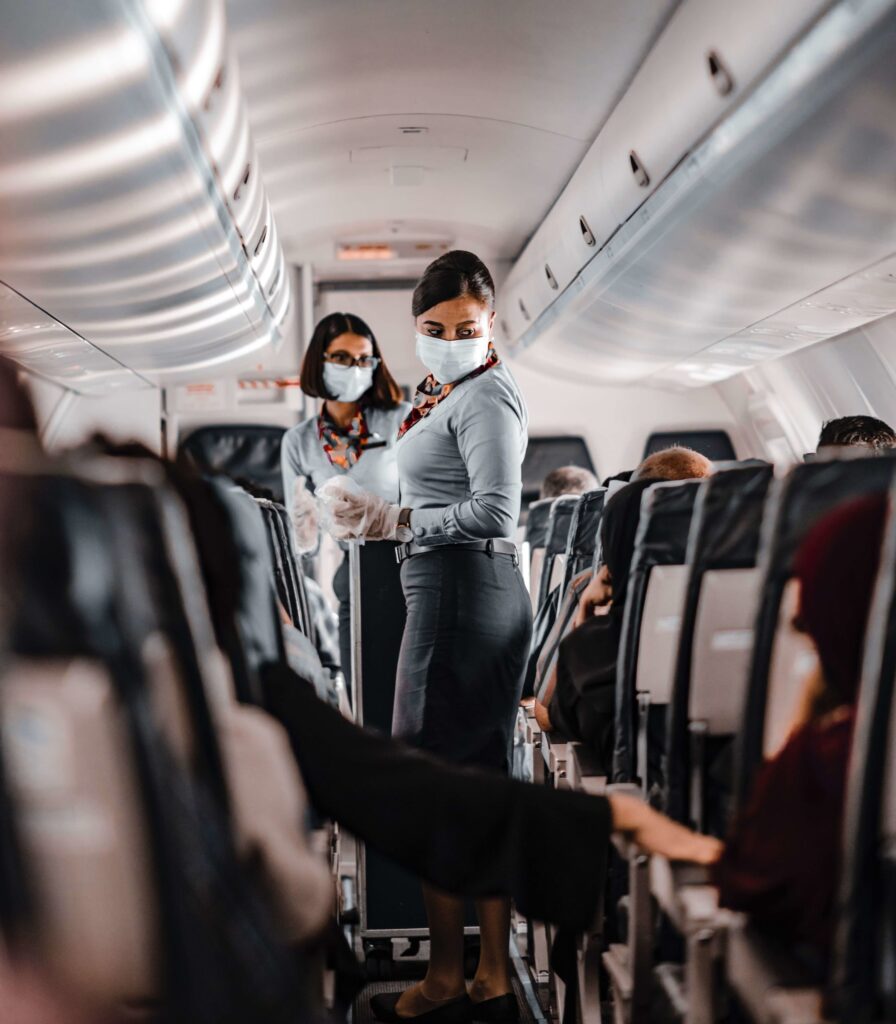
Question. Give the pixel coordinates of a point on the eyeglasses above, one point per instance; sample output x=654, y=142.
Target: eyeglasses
x=344, y=359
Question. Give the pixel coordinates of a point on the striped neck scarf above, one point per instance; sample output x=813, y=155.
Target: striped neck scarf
x=343, y=447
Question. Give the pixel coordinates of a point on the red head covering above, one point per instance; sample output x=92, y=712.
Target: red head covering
x=837, y=566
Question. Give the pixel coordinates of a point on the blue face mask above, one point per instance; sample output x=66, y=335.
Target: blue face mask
x=347, y=383
x=448, y=361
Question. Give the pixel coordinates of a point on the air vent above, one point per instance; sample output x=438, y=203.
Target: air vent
x=549, y=274
x=237, y=192
x=641, y=176
x=720, y=75
x=259, y=245
x=413, y=129
x=524, y=311
x=587, y=233
x=365, y=251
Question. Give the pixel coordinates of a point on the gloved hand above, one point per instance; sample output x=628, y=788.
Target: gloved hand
x=350, y=513
x=304, y=516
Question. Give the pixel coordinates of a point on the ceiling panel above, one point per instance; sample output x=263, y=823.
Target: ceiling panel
x=522, y=87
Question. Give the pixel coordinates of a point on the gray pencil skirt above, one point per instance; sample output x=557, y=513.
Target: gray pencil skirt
x=463, y=655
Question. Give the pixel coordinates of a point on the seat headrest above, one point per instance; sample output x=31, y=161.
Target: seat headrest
x=728, y=515
x=239, y=451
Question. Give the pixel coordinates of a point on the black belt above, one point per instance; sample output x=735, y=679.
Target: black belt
x=490, y=547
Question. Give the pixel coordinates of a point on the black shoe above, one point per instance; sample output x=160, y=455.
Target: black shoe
x=500, y=1010
x=457, y=1011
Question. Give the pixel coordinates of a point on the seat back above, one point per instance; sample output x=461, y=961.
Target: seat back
x=864, y=958
x=708, y=672
x=658, y=637
x=536, y=536
x=72, y=777
x=795, y=504
x=661, y=540
x=560, y=522
x=723, y=639
x=241, y=451
x=583, y=533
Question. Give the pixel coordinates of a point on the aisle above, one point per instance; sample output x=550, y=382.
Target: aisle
x=361, y=1012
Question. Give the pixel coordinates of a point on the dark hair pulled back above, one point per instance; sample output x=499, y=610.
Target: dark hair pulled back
x=452, y=275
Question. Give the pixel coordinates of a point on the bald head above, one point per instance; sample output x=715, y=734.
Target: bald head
x=673, y=464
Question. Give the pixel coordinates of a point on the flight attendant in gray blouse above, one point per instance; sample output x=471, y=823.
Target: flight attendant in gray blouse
x=465, y=644
x=353, y=435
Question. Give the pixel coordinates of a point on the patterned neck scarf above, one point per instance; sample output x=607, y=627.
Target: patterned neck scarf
x=430, y=392
x=343, y=447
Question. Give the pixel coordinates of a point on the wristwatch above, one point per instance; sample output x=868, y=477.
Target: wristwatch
x=403, y=527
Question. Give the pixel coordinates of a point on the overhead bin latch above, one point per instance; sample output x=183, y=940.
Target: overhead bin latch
x=641, y=176
x=721, y=76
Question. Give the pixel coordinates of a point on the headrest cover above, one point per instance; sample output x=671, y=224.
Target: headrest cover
x=617, y=534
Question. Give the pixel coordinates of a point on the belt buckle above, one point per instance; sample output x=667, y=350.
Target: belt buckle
x=490, y=548
x=401, y=553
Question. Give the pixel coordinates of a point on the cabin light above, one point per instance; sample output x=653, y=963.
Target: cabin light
x=365, y=251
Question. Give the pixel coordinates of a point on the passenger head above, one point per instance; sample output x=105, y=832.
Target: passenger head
x=673, y=464
x=857, y=432
x=343, y=355
x=836, y=567
x=618, y=528
x=567, y=480
x=455, y=298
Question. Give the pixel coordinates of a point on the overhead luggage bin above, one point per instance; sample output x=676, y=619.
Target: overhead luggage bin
x=134, y=215
x=708, y=188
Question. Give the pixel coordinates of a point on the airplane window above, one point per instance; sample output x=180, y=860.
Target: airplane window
x=714, y=444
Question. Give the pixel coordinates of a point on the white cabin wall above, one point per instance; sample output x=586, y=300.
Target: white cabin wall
x=854, y=374
x=66, y=419
x=615, y=421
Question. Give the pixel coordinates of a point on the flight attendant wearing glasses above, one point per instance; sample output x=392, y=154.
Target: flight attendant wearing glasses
x=466, y=639
x=352, y=435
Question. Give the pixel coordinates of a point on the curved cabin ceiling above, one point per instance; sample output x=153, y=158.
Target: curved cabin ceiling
x=137, y=238
x=502, y=101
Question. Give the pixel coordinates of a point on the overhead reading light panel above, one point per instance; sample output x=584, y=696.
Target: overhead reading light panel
x=130, y=195
x=771, y=233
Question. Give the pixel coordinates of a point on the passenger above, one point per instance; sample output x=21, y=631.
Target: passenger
x=469, y=617
x=352, y=435
x=567, y=480
x=669, y=464
x=782, y=857
x=579, y=699
x=856, y=432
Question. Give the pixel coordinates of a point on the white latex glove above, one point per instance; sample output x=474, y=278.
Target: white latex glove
x=304, y=516
x=350, y=513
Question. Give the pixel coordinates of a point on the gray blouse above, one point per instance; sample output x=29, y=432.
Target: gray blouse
x=302, y=454
x=460, y=466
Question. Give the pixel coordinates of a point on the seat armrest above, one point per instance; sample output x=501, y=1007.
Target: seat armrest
x=683, y=891
x=772, y=986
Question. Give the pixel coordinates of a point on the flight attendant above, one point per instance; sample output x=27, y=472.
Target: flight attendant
x=463, y=655
x=352, y=435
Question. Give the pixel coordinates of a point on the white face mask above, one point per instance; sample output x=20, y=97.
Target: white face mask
x=448, y=361
x=347, y=383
